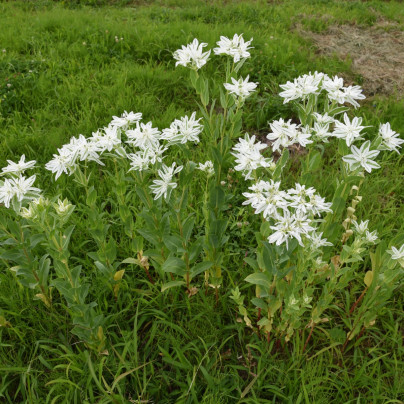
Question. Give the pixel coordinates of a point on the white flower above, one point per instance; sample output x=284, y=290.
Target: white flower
x=301, y=137
x=267, y=198
x=390, y=139
x=28, y=213
x=290, y=226
x=317, y=205
x=292, y=91
x=192, y=55
x=163, y=186
x=302, y=87
x=316, y=241
x=144, y=136
x=109, y=140
x=362, y=158
x=361, y=228
x=18, y=168
x=207, y=167
x=248, y=156
x=144, y=158
x=322, y=131
x=62, y=207
x=282, y=132
x=126, y=119
x=371, y=237
x=186, y=129
x=323, y=119
x=19, y=188
x=241, y=88
x=64, y=162
x=350, y=131
x=236, y=47
x=85, y=149
x=353, y=93
x=397, y=254
x=334, y=87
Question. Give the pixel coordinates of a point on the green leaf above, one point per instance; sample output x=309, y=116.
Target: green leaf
x=315, y=161
x=201, y=267
x=187, y=227
x=173, y=243
x=174, y=265
x=216, y=197
x=205, y=93
x=280, y=164
x=259, y=278
x=252, y=263
x=172, y=284
x=130, y=261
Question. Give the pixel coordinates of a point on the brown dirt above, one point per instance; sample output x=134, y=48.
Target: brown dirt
x=377, y=53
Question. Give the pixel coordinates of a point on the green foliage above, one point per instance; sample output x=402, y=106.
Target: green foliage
x=99, y=305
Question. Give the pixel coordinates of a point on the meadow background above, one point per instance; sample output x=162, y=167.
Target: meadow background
x=65, y=68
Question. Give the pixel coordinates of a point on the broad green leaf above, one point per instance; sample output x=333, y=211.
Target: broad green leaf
x=259, y=278
x=174, y=265
x=201, y=267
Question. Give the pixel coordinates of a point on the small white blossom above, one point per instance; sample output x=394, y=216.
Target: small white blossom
x=18, y=168
x=186, y=129
x=283, y=133
x=165, y=184
x=353, y=93
x=390, y=139
x=241, y=88
x=110, y=139
x=321, y=131
x=192, y=55
x=126, y=119
x=362, y=157
x=301, y=87
x=144, y=136
x=316, y=241
x=236, y=47
x=397, y=254
x=63, y=207
x=350, y=130
x=323, y=119
x=207, y=167
x=19, y=188
x=248, y=155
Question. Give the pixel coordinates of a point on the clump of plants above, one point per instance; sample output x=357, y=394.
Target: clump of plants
x=160, y=201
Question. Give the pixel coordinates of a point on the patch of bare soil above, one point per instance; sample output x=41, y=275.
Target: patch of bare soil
x=377, y=53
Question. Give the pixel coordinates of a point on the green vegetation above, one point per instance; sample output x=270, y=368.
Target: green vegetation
x=66, y=68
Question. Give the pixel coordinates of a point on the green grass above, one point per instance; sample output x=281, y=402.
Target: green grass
x=68, y=75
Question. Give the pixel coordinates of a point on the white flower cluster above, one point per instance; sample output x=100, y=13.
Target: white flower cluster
x=165, y=184
x=308, y=84
x=186, y=129
x=248, y=156
x=236, y=47
x=206, y=167
x=397, y=254
x=144, y=139
x=192, y=55
x=241, y=89
x=390, y=139
x=293, y=211
x=362, y=157
x=16, y=187
x=285, y=133
x=362, y=230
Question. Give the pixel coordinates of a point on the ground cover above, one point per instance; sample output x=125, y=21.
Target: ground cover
x=65, y=69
